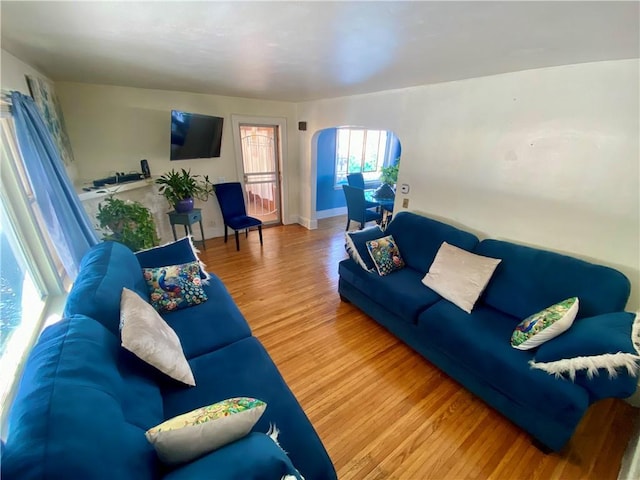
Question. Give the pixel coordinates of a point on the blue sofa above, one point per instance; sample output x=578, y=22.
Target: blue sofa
x=84, y=402
x=475, y=348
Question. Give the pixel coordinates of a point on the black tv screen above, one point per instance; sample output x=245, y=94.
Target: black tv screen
x=194, y=135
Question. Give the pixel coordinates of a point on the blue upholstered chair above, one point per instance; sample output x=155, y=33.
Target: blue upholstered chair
x=234, y=212
x=357, y=180
x=356, y=207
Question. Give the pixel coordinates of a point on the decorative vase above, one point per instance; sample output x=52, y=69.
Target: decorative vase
x=384, y=191
x=185, y=205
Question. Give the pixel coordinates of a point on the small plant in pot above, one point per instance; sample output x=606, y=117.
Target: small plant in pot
x=127, y=222
x=389, y=178
x=180, y=188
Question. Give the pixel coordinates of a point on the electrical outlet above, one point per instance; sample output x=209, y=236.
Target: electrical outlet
x=405, y=203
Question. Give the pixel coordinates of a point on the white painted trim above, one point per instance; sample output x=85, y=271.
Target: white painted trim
x=308, y=223
x=281, y=123
x=331, y=212
x=630, y=466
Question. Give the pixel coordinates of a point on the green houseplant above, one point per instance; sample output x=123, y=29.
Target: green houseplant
x=389, y=178
x=127, y=222
x=180, y=188
x=389, y=175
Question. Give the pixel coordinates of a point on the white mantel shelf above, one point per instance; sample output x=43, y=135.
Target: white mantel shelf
x=111, y=189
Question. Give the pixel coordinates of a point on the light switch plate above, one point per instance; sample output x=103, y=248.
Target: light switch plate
x=404, y=189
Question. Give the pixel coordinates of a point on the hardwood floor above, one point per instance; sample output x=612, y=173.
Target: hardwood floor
x=382, y=411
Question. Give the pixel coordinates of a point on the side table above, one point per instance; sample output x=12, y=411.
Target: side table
x=186, y=219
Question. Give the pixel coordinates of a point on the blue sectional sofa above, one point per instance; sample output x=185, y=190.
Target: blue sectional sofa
x=84, y=402
x=475, y=348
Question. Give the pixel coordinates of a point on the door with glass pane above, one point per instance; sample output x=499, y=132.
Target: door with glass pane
x=261, y=173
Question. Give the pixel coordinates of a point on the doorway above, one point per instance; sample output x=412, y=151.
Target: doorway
x=260, y=160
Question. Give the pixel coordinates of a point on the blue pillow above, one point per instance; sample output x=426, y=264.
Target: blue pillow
x=601, y=342
x=173, y=253
x=356, y=246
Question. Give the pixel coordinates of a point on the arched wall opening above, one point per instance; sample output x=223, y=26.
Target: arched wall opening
x=328, y=198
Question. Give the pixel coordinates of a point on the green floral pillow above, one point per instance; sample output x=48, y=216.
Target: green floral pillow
x=192, y=434
x=174, y=286
x=545, y=325
x=385, y=255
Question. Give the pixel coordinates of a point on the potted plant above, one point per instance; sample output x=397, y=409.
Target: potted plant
x=128, y=222
x=180, y=188
x=389, y=178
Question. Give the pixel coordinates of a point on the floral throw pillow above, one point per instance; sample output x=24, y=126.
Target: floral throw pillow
x=385, y=255
x=192, y=434
x=545, y=325
x=173, y=287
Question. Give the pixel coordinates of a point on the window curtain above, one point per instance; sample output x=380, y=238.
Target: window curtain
x=67, y=222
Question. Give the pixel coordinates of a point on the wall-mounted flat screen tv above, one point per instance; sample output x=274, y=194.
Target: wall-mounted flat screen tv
x=194, y=135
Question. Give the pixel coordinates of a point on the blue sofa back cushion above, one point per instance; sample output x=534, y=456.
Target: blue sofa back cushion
x=419, y=238
x=529, y=280
x=173, y=253
x=254, y=457
x=67, y=420
x=105, y=269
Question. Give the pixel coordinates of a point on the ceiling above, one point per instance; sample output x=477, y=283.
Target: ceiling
x=297, y=51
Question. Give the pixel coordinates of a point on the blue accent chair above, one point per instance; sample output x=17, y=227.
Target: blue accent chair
x=357, y=180
x=357, y=209
x=234, y=212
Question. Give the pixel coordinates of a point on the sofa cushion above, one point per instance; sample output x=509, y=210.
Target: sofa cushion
x=67, y=420
x=545, y=325
x=401, y=292
x=529, y=280
x=244, y=368
x=172, y=253
x=356, y=246
x=105, y=269
x=459, y=276
x=212, y=324
x=254, y=457
x=603, y=342
x=145, y=334
x=190, y=435
x=174, y=287
x=419, y=238
x=480, y=342
x=385, y=255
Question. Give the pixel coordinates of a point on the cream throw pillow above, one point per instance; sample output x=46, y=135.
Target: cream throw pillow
x=192, y=434
x=459, y=276
x=148, y=336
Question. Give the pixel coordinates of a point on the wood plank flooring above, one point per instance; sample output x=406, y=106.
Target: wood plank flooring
x=382, y=411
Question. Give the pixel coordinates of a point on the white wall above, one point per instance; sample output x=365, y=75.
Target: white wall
x=113, y=128
x=13, y=73
x=546, y=157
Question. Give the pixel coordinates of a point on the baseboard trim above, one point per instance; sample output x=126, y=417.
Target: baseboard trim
x=331, y=212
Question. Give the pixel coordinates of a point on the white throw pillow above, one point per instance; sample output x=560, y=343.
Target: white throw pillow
x=148, y=336
x=192, y=434
x=459, y=276
x=545, y=325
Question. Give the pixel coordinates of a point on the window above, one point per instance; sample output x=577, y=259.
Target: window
x=360, y=150
x=30, y=274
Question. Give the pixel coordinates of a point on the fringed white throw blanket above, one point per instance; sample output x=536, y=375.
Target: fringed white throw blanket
x=610, y=362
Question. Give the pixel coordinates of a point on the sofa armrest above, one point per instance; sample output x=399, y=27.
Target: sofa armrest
x=600, y=353
x=254, y=457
